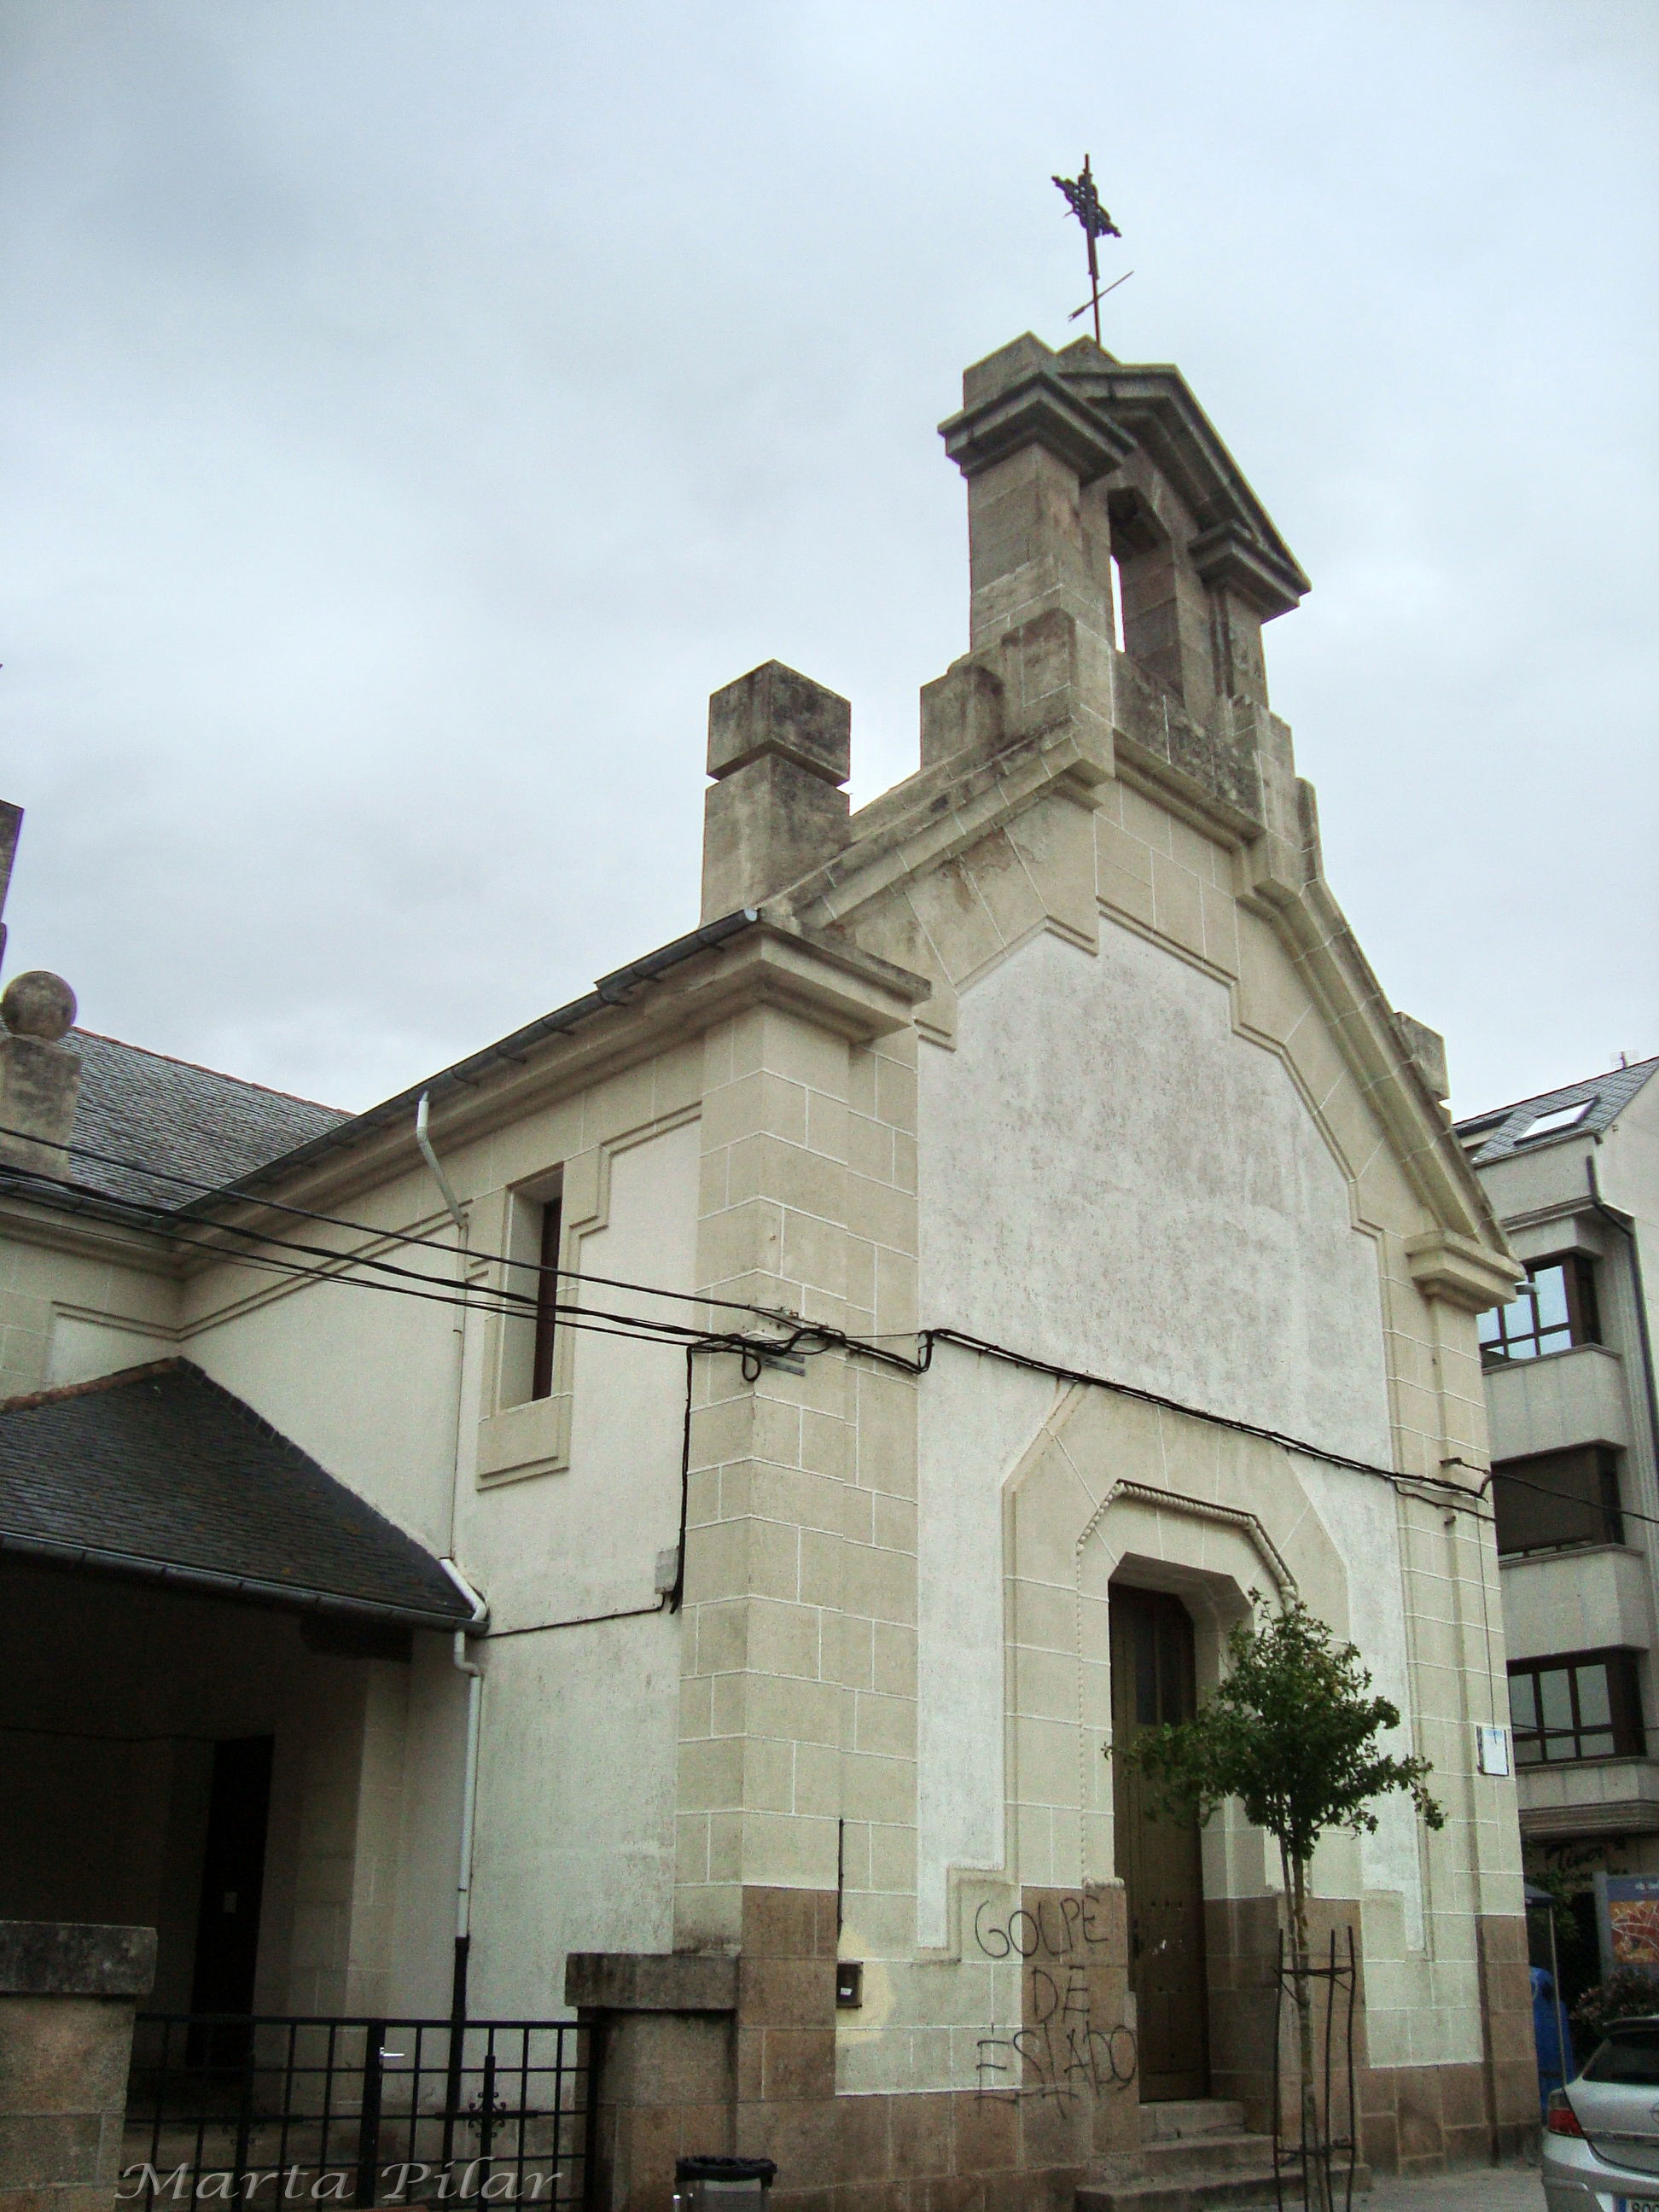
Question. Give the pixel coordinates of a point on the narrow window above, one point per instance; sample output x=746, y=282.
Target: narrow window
x=547, y=1301
x=1583, y=1705
x=1555, y=1311
x=1551, y=1501
x=529, y=1329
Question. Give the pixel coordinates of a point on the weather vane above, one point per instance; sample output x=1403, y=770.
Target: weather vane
x=1085, y=203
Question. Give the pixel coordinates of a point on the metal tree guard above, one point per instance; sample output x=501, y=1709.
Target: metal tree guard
x=1340, y=1979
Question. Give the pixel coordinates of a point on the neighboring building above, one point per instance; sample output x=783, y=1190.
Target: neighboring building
x=1085, y=1246
x=1573, y=1176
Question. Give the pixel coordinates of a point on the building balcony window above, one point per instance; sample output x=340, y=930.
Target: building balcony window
x=1556, y=1500
x=1581, y=1705
x=1555, y=1311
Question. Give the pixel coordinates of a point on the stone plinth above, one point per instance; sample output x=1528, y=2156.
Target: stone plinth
x=68, y=1992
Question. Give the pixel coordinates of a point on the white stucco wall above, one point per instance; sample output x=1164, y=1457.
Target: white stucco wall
x=1112, y=1178
x=363, y=1379
x=576, y=1820
x=576, y=1810
x=584, y=1540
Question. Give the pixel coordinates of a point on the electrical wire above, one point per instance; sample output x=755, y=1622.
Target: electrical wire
x=641, y=1327
x=801, y=1336
x=1458, y=1493
x=1563, y=1497
x=228, y=1191
x=798, y=1338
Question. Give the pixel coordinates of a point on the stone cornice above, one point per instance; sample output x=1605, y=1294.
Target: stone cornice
x=774, y=961
x=1315, y=931
x=1037, y=409
x=1152, y=406
x=1092, y=411
x=1469, y=1275
x=85, y=1235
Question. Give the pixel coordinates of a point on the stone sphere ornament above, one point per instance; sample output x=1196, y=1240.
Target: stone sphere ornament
x=38, y=1005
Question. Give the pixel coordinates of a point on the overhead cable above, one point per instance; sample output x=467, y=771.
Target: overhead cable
x=229, y=1192
x=798, y=1337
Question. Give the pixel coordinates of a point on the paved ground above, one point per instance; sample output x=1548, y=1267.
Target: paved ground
x=1482, y=2189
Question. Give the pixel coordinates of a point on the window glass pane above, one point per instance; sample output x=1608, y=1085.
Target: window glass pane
x=1588, y=1319
x=1555, y=1497
x=1597, y=1745
x=1594, y=1698
x=1554, y=1699
x=1549, y=1290
x=1523, y=1702
x=1516, y=1317
x=1528, y=1751
x=1560, y=1747
x=1524, y=1348
x=1487, y=1326
x=1555, y=1339
x=1630, y=2054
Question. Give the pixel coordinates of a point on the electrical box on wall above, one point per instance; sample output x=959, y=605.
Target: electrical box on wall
x=1493, y=1750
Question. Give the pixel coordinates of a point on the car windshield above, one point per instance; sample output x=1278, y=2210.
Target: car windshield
x=1629, y=2054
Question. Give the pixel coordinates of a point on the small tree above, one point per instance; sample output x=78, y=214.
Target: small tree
x=1290, y=1732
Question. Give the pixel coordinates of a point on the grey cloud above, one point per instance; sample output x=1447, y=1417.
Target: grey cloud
x=412, y=411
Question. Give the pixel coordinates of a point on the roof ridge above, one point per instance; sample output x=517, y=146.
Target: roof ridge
x=55, y=1396
x=201, y=1067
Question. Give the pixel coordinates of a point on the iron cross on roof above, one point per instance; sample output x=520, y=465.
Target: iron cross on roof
x=1085, y=203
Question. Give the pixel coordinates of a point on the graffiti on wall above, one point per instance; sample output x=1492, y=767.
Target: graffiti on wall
x=1063, y=2050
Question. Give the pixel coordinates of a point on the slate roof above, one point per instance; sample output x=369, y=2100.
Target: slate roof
x=194, y=1123
x=159, y=1472
x=188, y=1121
x=1497, y=1134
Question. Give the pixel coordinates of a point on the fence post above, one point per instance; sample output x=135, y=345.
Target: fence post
x=369, y=2126
x=594, y=2034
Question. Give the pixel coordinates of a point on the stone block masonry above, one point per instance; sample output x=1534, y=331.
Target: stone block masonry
x=709, y=2052
x=68, y=1992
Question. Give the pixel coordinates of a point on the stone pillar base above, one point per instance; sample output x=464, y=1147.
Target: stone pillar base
x=68, y=1992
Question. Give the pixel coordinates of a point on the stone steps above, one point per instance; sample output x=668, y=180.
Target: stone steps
x=1194, y=2157
x=1189, y=2157
x=1254, y=2189
x=1190, y=2115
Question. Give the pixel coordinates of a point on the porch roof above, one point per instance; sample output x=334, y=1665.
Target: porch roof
x=157, y=1472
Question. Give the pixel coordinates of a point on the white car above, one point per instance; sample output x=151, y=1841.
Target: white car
x=1601, y=2131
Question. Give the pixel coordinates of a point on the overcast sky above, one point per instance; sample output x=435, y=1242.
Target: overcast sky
x=412, y=410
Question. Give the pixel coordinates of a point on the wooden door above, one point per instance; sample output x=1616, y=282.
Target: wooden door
x=1159, y=1862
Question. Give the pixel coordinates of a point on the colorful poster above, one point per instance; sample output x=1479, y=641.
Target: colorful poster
x=1627, y=1908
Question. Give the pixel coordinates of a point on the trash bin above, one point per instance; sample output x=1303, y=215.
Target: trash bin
x=722, y=2183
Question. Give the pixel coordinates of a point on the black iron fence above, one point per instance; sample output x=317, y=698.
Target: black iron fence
x=277, y=2113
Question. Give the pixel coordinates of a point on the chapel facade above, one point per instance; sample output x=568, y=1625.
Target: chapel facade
x=1009, y=1233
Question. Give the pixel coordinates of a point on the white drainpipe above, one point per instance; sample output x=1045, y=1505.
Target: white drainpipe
x=464, y=1665
x=474, y=1673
